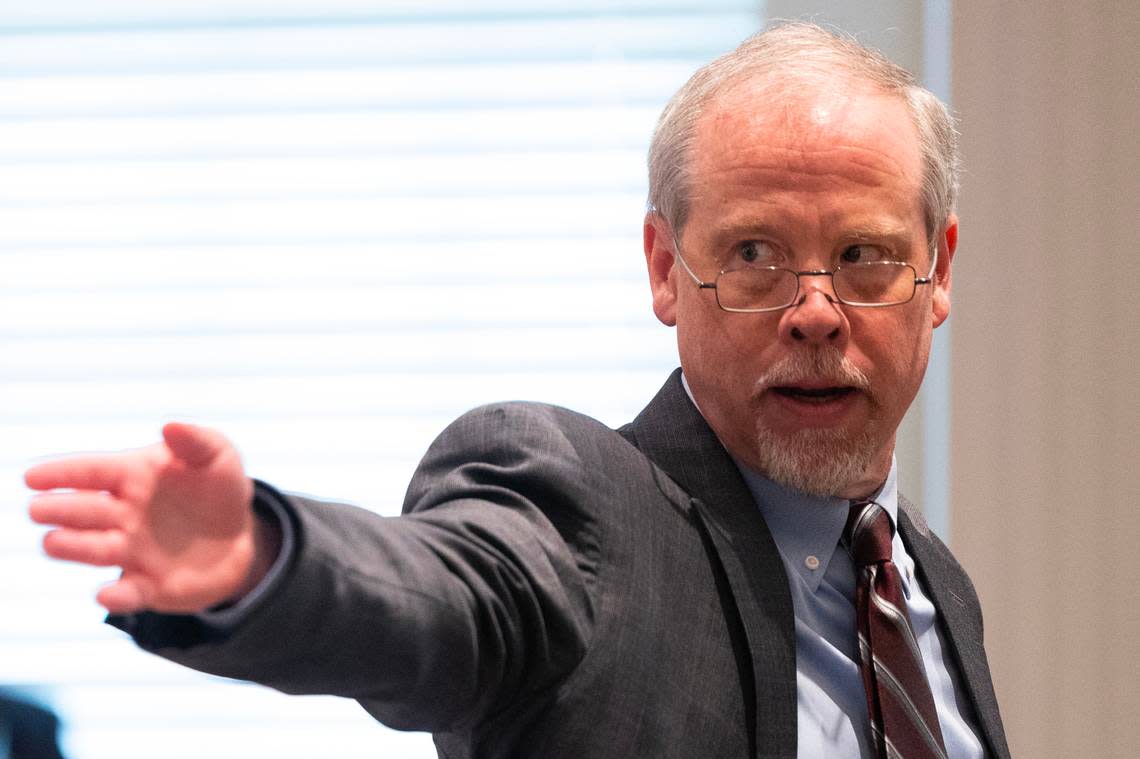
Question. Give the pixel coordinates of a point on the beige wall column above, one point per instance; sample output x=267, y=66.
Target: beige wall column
x=1046, y=351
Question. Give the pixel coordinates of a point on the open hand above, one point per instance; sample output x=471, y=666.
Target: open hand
x=175, y=516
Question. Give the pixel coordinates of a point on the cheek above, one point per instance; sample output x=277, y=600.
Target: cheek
x=886, y=338
x=898, y=357
x=711, y=345
x=723, y=356
x=700, y=344
x=720, y=340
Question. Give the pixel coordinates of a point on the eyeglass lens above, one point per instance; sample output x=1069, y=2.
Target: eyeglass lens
x=878, y=283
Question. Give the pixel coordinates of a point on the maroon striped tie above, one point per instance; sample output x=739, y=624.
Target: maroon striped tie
x=899, y=702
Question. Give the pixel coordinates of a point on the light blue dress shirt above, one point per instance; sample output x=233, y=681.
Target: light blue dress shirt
x=831, y=705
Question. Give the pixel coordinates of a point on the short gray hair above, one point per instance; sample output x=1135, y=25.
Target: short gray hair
x=796, y=51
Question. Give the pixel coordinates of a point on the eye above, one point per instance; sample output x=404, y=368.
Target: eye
x=754, y=251
x=862, y=253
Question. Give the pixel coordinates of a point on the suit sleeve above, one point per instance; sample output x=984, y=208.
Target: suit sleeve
x=478, y=595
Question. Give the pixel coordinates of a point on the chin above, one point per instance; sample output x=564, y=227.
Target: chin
x=823, y=461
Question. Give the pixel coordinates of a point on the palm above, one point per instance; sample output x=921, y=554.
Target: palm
x=174, y=516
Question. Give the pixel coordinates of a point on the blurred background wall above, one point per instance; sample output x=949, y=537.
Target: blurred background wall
x=1046, y=346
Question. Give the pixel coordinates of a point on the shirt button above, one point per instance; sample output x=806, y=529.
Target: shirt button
x=812, y=563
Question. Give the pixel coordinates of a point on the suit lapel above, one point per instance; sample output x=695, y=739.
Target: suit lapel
x=672, y=434
x=954, y=598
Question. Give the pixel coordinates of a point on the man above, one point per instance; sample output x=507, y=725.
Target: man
x=723, y=577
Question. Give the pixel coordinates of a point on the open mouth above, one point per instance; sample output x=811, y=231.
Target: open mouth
x=813, y=394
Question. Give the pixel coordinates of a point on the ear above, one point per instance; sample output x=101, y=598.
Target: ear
x=657, y=238
x=947, y=244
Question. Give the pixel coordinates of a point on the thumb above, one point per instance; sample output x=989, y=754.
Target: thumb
x=124, y=596
x=193, y=445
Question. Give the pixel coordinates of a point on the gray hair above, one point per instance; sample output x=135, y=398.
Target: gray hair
x=789, y=54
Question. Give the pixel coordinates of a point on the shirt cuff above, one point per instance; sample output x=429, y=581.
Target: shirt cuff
x=266, y=505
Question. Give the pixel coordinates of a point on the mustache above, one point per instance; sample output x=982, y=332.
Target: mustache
x=814, y=366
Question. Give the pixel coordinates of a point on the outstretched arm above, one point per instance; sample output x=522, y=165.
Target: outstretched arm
x=176, y=516
x=479, y=596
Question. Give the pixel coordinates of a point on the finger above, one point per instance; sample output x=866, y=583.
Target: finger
x=78, y=473
x=82, y=510
x=124, y=596
x=196, y=446
x=100, y=548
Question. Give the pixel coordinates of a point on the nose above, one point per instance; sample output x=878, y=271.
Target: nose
x=817, y=316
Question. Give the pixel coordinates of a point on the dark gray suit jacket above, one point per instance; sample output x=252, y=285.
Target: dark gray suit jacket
x=557, y=589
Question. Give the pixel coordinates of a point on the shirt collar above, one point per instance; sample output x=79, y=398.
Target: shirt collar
x=807, y=528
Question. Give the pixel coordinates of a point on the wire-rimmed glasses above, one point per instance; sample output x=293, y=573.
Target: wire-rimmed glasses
x=871, y=284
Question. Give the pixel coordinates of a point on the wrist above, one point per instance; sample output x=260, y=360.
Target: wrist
x=266, y=547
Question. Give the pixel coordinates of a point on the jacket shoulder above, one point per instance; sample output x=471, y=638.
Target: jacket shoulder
x=538, y=447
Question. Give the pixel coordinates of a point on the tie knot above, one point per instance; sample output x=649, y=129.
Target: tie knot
x=868, y=533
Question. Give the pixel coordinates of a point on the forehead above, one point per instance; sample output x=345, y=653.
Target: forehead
x=814, y=135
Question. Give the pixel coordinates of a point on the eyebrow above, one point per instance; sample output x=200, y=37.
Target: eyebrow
x=878, y=231
x=748, y=229
x=859, y=232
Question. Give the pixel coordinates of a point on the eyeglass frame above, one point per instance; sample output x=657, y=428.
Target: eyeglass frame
x=797, y=301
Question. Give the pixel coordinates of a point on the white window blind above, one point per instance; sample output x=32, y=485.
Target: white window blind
x=326, y=228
